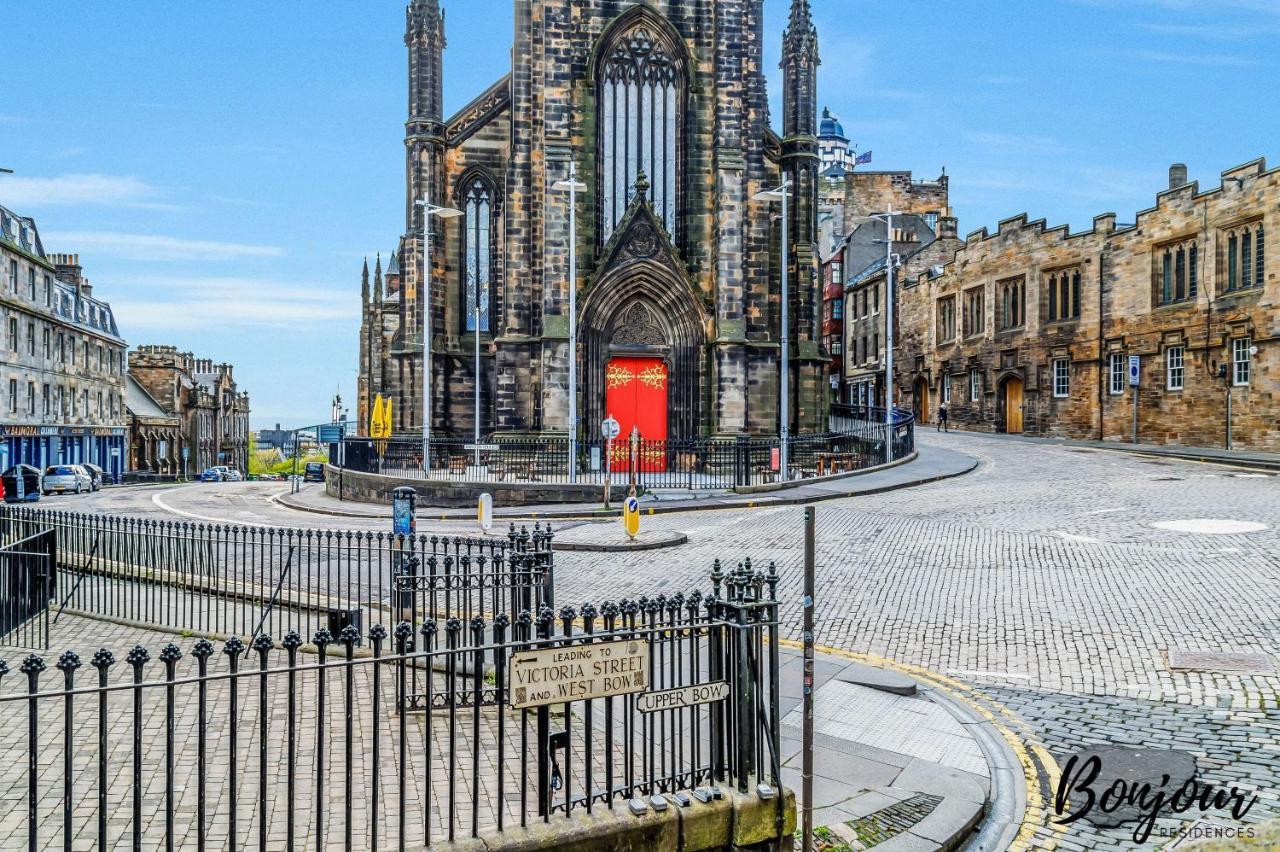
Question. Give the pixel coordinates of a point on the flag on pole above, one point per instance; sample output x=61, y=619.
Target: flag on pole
x=862, y=159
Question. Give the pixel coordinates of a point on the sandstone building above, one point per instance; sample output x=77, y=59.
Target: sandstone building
x=1031, y=329
x=661, y=107
x=62, y=383
x=187, y=413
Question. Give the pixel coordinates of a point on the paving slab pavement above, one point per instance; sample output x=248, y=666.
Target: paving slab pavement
x=890, y=771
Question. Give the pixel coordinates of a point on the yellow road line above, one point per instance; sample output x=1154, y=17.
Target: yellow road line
x=1038, y=766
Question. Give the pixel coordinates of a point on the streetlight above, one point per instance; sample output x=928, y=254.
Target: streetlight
x=887, y=218
x=783, y=192
x=573, y=185
x=429, y=210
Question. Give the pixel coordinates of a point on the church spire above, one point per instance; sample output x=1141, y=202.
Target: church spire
x=364, y=283
x=800, y=71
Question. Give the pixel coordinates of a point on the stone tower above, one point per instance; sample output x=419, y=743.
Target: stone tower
x=800, y=163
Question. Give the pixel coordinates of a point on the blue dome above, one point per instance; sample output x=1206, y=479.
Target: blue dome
x=830, y=125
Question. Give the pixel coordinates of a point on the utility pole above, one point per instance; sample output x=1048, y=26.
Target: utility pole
x=429, y=210
x=784, y=385
x=888, y=336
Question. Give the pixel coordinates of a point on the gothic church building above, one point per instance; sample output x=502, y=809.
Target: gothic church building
x=661, y=108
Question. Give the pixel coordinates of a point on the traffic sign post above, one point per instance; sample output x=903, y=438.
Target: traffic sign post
x=610, y=429
x=1135, y=377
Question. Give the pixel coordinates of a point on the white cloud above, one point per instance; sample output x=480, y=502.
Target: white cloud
x=1195, y=59
x=167, y=304
x=153, y=247
x=76, y=189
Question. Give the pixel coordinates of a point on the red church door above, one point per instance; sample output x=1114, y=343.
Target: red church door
x=636, y=395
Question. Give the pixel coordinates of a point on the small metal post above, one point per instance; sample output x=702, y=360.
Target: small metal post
x=1135, y=414
x=1228, y=410
x=807, y=604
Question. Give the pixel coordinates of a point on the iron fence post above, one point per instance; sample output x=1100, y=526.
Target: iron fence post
x=202, y=651
x=67, y=664
x=137, y=658
x=32, y=666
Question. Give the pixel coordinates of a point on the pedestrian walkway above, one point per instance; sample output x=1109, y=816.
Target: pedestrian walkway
x=1214, y=455
x=892, y=771
x=931, y=464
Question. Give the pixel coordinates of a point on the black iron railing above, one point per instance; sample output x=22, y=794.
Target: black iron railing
x=856, y=440
x=266, y=746
x=28, y=579
x=227, y=580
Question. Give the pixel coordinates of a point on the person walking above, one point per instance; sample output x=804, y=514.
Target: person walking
x=942, y=418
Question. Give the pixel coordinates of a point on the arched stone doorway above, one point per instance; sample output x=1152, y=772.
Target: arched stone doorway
x=920, y=400
x=641, y=318
x=1010, y=401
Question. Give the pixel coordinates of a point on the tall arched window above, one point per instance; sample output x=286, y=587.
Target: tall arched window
x=477, y=248
x=640, y=81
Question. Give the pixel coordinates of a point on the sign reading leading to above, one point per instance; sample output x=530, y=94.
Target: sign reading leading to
x=579, y=672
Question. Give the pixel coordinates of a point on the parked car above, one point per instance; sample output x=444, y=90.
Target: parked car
x=62, y=478
x=211, y=474
x=96, y=474
x=313, y=472
x=21, y=484
x=224, y=472
x=233, y=475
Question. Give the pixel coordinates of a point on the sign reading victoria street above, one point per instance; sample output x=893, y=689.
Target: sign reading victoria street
x=685, y=696
x=579, y=672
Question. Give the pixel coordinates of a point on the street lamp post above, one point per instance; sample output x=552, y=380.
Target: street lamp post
x=573, y=185
x=783, y=192
x=429, y=210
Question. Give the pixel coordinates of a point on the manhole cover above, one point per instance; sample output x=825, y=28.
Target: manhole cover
x=1221, y=662
x=1211, y=526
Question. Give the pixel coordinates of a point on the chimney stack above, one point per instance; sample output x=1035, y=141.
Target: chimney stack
x=948, y=227
x=1177, y=175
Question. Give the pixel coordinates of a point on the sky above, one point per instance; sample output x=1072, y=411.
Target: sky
x=223, y=168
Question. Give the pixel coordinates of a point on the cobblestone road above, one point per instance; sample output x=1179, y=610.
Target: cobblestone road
x=1037, y=583
x=1039, y=580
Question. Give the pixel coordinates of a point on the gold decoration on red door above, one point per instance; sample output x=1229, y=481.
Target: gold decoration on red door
x=618, y=376
x=655, y=376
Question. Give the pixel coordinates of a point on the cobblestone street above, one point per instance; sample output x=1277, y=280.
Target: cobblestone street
x=1037, y=590
x=1039, y=581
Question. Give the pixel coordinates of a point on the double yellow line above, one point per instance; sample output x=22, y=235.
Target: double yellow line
x=1038, y=766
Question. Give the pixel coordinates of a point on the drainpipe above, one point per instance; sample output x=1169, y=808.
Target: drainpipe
x=1102, y=355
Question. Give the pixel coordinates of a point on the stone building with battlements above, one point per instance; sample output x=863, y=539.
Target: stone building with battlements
x=186, y=414
x=662, y=109
x=1031, y=329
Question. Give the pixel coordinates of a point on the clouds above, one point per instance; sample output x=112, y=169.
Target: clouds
x=168, y=304
x=150, y=247
x=1223, y=61
x=18, y=191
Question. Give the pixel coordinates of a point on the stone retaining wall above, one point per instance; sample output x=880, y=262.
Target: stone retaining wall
x=735, y=823
x=377, y=488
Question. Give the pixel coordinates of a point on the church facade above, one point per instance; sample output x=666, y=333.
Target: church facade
x=660, y=110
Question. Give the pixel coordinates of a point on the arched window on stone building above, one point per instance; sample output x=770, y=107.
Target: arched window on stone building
x=1243, y=266
x=477, y=250
x=640, y=80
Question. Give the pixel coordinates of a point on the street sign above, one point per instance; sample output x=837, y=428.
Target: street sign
x=688, y=696
x=631, y=516
x=610, y=428
x=329, y=434
x=579, y=672
x=1135, y=370
x=484, y=448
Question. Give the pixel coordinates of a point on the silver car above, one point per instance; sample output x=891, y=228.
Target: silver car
x=64, y=478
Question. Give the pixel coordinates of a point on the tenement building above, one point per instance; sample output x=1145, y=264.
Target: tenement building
x=187, y=413
x=1032, y=329
x=659, y=112
x=62, y=388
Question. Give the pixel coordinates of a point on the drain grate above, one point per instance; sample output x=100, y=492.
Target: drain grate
x=887, y=823
x=1221, y=662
